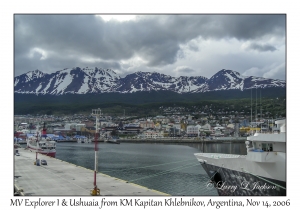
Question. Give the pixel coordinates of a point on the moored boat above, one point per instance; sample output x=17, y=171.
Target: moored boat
x=42, y=144
x=261, y=172
x=82, y=139
x=112, y=141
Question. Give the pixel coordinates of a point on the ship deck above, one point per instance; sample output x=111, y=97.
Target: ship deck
x=218, y=155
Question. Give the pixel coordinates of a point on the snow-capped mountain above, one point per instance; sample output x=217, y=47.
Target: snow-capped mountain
x=146, y=81
x=228, y=79
x=98, y=80
x=76, y=80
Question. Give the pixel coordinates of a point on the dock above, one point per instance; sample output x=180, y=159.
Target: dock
x=62, y=178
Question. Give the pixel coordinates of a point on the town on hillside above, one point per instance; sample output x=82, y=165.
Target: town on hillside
x=171, y=125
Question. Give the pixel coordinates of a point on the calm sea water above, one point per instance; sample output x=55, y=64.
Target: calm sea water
x=169, y=168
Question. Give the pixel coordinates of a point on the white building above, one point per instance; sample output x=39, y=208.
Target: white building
x=78, y=127
x=147, y=124
x=153, y=134
x=192, y=130
x=219, y=128
x=177, y=126
x=206, y=127
x=70, y=126
x=230, y=126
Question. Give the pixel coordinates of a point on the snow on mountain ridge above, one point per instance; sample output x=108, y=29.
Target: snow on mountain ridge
x=97, y=80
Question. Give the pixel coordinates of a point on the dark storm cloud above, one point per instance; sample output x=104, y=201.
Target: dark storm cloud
x=156, y=39
x=262, y=48
x=245, y=27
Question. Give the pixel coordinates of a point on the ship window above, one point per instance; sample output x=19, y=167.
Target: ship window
x=264, y=146
x=269, y=147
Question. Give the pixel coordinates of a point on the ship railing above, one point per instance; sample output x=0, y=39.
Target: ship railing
x=219, y=155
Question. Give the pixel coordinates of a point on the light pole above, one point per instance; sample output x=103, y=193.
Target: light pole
x=37, y=145
x=97, y=114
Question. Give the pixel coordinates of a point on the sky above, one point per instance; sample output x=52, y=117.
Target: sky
x=176, y=45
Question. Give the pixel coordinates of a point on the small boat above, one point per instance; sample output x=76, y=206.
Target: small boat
x=112, y=141
x=261, y=172
x=81, y=139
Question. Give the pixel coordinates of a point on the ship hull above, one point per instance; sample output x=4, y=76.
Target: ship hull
x=229, y=182
x=112, y=142
x=50, y=153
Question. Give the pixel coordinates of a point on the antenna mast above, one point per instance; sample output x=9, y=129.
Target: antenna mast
x=251, y=113
x=260, y=112
x=260, y=107
x=256, y=105
x=251, y=105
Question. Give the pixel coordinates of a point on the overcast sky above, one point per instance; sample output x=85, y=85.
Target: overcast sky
x=176, y=45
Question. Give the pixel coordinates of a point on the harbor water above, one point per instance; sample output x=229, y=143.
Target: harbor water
x=168, y=168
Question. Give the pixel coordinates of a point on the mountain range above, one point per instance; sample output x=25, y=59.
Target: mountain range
x=98, y=80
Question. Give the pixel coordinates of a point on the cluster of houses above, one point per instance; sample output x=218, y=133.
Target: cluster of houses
x=176, y=126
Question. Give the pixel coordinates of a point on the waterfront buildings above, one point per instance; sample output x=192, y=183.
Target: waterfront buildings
x=151, y=127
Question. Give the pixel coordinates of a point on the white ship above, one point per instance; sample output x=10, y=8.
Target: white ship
x=42, y=144
x=261, y=172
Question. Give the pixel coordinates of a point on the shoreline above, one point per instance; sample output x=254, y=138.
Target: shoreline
x=170, y=140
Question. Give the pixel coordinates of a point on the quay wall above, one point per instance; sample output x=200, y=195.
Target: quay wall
x=165, y=140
